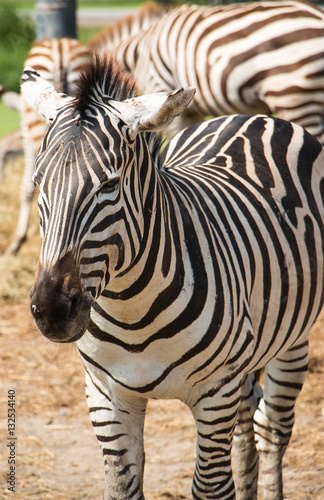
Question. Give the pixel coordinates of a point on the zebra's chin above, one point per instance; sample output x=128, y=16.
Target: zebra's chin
x=76, y=337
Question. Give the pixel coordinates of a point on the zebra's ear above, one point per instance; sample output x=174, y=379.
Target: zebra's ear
x=154, y=111
x=41, y=96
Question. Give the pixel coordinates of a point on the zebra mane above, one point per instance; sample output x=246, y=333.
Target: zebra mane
x=103, y=79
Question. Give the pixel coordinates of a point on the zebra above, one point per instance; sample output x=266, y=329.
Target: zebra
x=259, y=57
x=59, y=60
x=179, y=272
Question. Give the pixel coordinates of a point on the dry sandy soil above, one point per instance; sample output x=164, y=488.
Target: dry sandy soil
x=57, y=453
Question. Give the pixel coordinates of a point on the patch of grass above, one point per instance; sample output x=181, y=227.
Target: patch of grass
x=86, y=33
x=107, y=4
x=9, y=120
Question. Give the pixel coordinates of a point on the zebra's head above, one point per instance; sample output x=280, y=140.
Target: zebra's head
x=89, y=170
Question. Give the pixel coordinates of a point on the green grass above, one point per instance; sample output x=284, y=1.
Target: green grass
x=107, y=4
x=81, y=4
x=9, y=120
x=86, y=33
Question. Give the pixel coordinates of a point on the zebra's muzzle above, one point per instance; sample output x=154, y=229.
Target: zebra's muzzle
x=59, y=307
x=64, y=320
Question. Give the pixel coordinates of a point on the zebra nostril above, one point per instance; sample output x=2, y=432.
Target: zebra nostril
x=75, y=305
x=35, y=312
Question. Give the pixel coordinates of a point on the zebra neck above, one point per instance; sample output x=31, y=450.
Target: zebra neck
x=154, y=237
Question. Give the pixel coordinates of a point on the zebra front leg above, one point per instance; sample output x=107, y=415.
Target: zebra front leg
x=118, y=425
x=215, y=413
x=33, y=130
x=245, y=455
x=274, y=418
x=26, y=198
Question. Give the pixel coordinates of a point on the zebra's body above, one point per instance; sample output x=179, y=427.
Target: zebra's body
x=179, y=274
x=60, y=61
x=261, y=57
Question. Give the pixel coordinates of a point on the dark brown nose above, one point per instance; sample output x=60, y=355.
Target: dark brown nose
x=58, y=305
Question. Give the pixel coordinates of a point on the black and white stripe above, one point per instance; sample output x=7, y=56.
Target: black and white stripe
x=259, y=57
x=180, y=274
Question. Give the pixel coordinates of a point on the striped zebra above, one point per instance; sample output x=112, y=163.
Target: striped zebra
x=261, y=57
x=60, y=61
x=179, y=273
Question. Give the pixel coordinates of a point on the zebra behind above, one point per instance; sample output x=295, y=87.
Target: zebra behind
x=179, y=274
x=259, y=57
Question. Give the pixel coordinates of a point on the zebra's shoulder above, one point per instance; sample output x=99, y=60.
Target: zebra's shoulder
x=245, y=144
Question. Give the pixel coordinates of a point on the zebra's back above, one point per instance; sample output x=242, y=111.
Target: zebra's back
x=259, y=57
x=115, y=33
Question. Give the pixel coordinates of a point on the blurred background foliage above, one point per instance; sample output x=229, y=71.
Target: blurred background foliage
x=17, y=32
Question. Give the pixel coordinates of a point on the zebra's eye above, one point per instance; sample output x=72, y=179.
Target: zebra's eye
x=110, y=185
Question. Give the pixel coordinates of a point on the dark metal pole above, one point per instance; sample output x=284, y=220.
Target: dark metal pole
x=56, y=19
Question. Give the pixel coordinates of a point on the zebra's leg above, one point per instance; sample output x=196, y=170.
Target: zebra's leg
x=33, y=130
x=118, y=425
x=274, y=418
x=245, y=456
x=215, y=412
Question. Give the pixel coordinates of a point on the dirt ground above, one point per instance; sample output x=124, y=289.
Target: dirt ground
x=57, y=453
